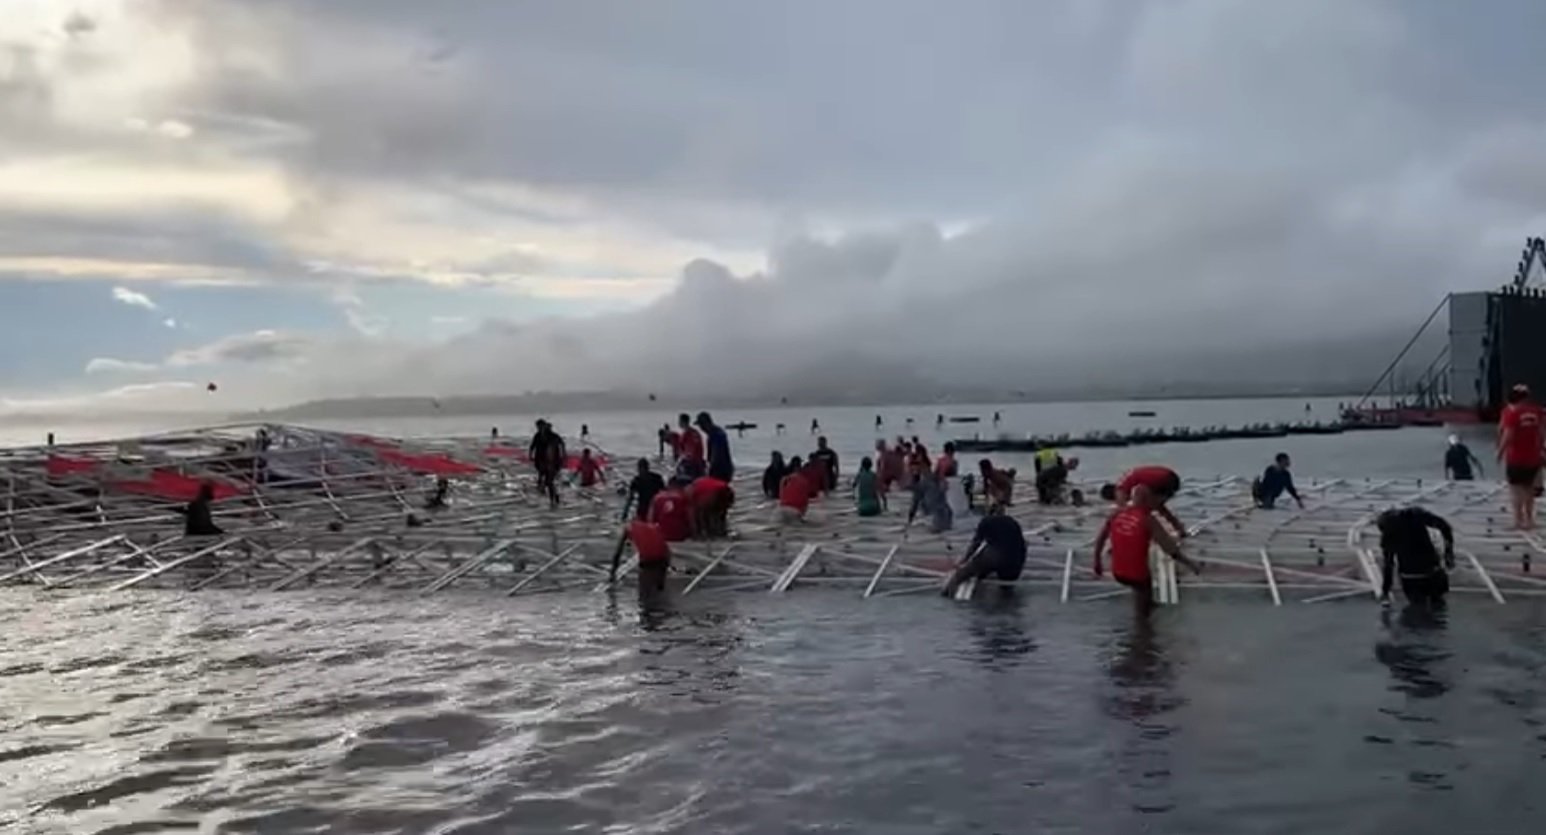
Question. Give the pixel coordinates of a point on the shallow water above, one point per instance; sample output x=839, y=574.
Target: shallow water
x=814, y=711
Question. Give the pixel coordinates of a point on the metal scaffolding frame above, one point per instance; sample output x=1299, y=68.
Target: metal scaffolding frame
x=313, y=508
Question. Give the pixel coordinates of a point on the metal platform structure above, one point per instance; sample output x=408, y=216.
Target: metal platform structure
x=306, y=508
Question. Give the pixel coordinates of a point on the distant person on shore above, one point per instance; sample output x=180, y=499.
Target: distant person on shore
x=773, y=476
x=1458, y=461
x=794, y=493
x=589, y=469
x=1274, y=482
x=547, y=455
x=1130, y=532
x=997, y=549
x=1151, y=486
x=643, y=489
x=1519, y=450
x=720, y=465
x=867, y=497
x=690, y=462
x=827, y=458
x=1408, y=551
x=711, y=499
x=199, y=516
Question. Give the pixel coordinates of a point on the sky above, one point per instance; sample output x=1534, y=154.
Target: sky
x=300, y=199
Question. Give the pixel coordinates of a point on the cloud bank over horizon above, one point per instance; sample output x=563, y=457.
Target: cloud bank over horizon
x=304, y=199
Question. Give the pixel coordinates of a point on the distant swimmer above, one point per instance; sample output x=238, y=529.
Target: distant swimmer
x=939, y=421
x=997, y=549
x=778, y=429
x=1131, y=531
x=909, y=423
x=1519, y=450
x=1408, y=551
x=997, y=419
x=879, y=423
x=493, y=434
x=1458, y=461
x=815, y=426
x=584, y=431
x=1151, y=486
x=1274, y=482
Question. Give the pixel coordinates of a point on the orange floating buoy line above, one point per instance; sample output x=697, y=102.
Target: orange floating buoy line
x=300, y=507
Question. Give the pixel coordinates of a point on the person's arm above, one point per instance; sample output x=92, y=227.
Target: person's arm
x=1180, y=529
x=1476, y=461
x=1100, y=544
x=1387, y=571
x=1440, y=524
x=971, y=550
x=1288, y=485
x=1169, y=545
x=1505, y=437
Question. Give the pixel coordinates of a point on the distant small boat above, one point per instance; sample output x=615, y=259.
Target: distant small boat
x=1140, y=413
x=964, y=419
x=742, y=426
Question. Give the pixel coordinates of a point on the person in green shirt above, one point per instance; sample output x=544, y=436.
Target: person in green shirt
x=866, y=489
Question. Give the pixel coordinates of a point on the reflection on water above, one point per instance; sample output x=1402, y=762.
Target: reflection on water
x=754, y=713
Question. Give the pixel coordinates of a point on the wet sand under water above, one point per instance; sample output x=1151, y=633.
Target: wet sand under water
x=748, y=713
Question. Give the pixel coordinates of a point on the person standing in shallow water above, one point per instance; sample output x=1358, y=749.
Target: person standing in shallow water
x=720, y=465
x=1520, y=453
x=644, y=488
x=773, y=476
x=867, y=496
x=1458, y=461
x=1131, y=531
x=827, y=457
x=547, y=455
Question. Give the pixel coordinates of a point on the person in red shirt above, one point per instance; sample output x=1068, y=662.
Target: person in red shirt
x=590, y=470
x=669, y=510
x=654, y=554
x=1131, y=531
x=711, y=500
x=1151, y=486
x=690, y=461
x=1520, y=452
x=794, y=495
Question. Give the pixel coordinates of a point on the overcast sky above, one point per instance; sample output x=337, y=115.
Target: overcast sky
x=302, y=199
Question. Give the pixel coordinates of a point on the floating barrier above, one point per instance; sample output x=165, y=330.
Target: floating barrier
x=345, y=516
x=1098, y=440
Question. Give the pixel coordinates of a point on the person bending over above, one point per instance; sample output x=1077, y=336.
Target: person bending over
x=1409, y=552
x=997, y=548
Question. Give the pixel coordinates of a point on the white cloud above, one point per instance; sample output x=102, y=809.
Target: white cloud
x=109, y=365
x=448, y=320
x=133, y=298
x=170, y=323
x=256, y=347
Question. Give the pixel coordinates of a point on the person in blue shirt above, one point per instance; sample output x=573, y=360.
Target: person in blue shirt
x=717, y=445
x=1274, y=482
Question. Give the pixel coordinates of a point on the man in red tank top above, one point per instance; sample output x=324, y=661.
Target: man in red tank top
x=654, y=554
x=711, y=499
x=1151, y=486
x=669, y=510
x=1519, y=450
x=1131, y=531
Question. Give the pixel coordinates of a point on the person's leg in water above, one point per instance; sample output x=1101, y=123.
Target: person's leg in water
x=981, y=564
x=1426, y=592
x=1521, y=494
x=549, y=479
x=652, y=577
x=1143, y=596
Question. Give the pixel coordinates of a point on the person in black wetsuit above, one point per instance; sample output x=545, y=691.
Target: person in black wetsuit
x=773, y=476
x=1458, y=460
x=1274, y=482
x=547, y=455
x=827, y=457
x=1002, y=551
x=644, y=488
x=200, y=520
x=1408, y=550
